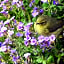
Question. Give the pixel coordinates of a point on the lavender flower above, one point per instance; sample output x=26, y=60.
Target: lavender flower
x=33, y=41
x=10, y=32
x=31, y=3
x=15, y=1
x=26, y=43
x=46, y=38
x=27, y=38
x=20, y=4
x=42, y=45
x=7, y=21
x=41, y=10
x=7, y=41
x=3, y=29
x=20, y=26
x=35, y=13
x=3, y=48
x=55, y=2
x=3, y=63
x=4, y=12
x=19, y=34
x=26, y=28
x=4, y=7
x=1, y=34
x=0, y=44
x=13, y=51
x=14, y=59
x=27, y=33
x=41, y=38
x=52, y=38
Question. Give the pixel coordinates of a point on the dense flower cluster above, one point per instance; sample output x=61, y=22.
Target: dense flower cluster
x=36, y=11
x=29, y=38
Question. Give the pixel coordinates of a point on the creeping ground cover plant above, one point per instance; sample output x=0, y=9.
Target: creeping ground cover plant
x=19, y=43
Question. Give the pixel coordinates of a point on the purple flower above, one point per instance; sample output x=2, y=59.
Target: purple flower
x=3, y=63
x=42, y=45
x=1, y=34
x=48, y=43
x=4, y=7
x=41, y=10
x=35, y=13
x=20, y=4
x=27, y=33
x=7, y=41
x=10, y=32
x=46, y=38
x=15, y=22
x=3, y=48
x=41, y=38
x=13, y=51
x=55, y=2
x=52, y=38
x=27, y=54
x=7, y=21
x=0, y=44
x=3, y=29
x=27, y=38
x=26, y=43
x=33, y=41
x=26, y=28
x=19, y=34
x=4, y=12
x=20, y=26
x=15, y=1
x=31, y=3
x=1, y=23
x=35, y=8
x=14, y=59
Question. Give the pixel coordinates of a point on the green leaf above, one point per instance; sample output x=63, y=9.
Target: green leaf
x=35, y=53
x=58, y=60
x=44, y=61
x=62, y=54
x=52, y=6
x=39, y=59
x=36, y=1
x=45, y=5
x=2, y=18
x=50, y=59
x=33, y=19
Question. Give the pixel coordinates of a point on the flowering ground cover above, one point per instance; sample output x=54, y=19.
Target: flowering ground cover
x=19, y=43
